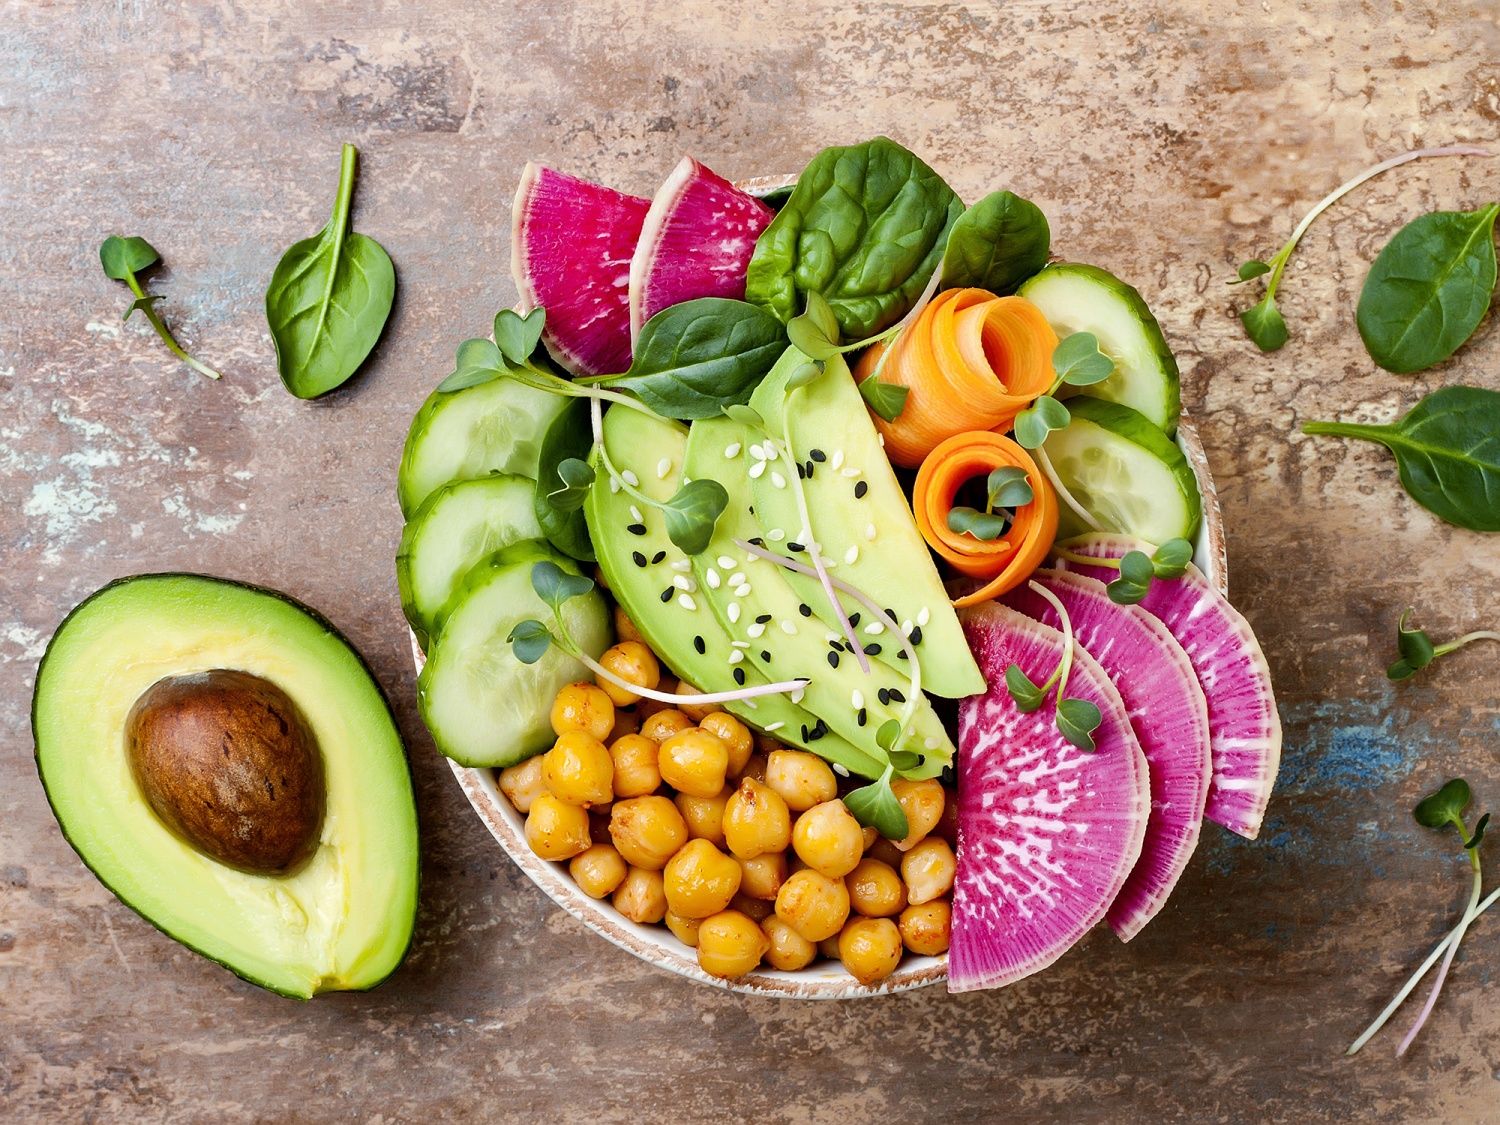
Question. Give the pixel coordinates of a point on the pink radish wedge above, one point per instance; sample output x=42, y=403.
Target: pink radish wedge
x=1169, y=715
x=1244, y=728
x=1047, y=833
x=570, y=250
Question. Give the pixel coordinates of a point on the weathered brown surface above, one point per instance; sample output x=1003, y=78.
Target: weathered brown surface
x=1165, y=141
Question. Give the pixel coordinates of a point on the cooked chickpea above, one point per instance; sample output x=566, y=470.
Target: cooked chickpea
x=634, y=757
x=700, y=880
x=756, y=821
x=735, y=736
x=754, y=767
x=925, y=927
x=730, y=944
x=885, y=851
x=757, y=908
x=631, y=661
x=875, y=890
x=813, y=904
x=870, y=948
x=695, y=711
x=788, y=950
x=627, y=721
x=922, y=802
x=648, y=706
x=579, y=770
x=694, y=761
x=928, y=870
x=762, y=875
x=556, y=829
x=767, y=744
x=829, y=947
x=523, y=784
x=871, y=835
x=640, y=896
x=597, y=871
x=704, y=815
x=662, y=725
x=829, y=839
x=585, y=707
x=686, y=929
x=624, y=627
x=802, y=779
x=647, y=831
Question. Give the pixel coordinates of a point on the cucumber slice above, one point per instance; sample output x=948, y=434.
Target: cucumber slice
x=496, y=427
x=569, y=436
x=457, y=526
x=482, y=705
x=1078, y=298
x=1125, y=472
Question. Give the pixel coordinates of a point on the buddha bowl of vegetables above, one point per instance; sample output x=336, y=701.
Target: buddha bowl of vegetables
x=817, y=592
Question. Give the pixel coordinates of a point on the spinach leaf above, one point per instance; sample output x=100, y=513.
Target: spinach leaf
x=996, y=244
x=122, y=258
x=695, y=358
x=329, y=299
x=1447, y=452
x=1428, y=289
x=567, y=439
x=865, y=226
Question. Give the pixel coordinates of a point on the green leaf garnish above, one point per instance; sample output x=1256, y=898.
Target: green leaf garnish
x=1077, y=719
x=805, y=374
x=1078, y=361
x=816, y=332
x=1027, y=696
x=886, y=399
x=875, y=806
x=1171, y=559
x=121, y=259
x=555, y=586
x=745, y=416
x=1251, y=269
x=820, y=313
x=983, y=526
x=516, y=337
x=1038, y=420
x=1008, y=487
x=886, y=736
x=692, y=513
x=576, y=477
x=529, y=640
x=1446, y=806
x=904, y=759
x=1264, y=325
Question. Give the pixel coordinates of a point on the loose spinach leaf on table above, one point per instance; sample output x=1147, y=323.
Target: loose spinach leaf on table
x=694, y=358
x=996, y=244
x=122, y=259
x=329, y=299
x=866, y=226
x=1428, y=289
x=568, y=439
x=1447, y=451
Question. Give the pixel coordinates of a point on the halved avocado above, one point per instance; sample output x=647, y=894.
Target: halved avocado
x=342, y=917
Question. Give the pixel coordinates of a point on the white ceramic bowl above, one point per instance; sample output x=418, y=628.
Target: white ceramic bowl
x=824, y=980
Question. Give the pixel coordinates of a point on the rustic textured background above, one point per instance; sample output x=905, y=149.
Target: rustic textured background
x=1166, y=141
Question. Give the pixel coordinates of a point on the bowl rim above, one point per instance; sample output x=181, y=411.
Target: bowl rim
x=658, y=946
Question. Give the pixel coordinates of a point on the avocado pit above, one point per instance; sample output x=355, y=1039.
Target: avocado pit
x=228, y=762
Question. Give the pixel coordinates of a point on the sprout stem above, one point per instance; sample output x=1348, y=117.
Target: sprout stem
x=1062, y=490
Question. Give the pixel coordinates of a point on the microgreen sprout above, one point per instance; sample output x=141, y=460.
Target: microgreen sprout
x=1263, y=322
x=816, y=333
x=1076, y=361
x=1006, y=488
x=1076, y=719
x=1137, y=569
x=530, y=640
x=122, y=259
x=1439, y=810
x=1417, y=650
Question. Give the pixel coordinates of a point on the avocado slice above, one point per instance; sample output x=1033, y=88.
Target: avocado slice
x=342, y=919
x=641, y=563
x=860, y=518
x=764, y=610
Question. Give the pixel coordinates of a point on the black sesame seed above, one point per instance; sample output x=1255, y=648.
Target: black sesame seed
x=821, y=727
x=817, y=732
x=801, y=472
x=854, y=620
x=752, y=509
x=636, y=528
x=833, y=660
x=804, y=609
x=810, y=468
x=884, y=696
x=638, y=558
x=872, y=649
x=901, y=655
x=699, y=645
x=891, y=613
x=804, y=733
x=817, y=455
x=896, y=694
x=836, y=646
x=863, y=716
x=758, y=541
x=763, y=619
x=766, y=656
x=656, y=558
x=916, y=635
x=794, y=547
x=666, y=595
x=860, y=489
x=739, y=676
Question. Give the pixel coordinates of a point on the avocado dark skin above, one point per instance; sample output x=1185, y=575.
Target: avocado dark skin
x=229, y=764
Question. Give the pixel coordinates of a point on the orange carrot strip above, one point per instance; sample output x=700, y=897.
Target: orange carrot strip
x=1007, y=561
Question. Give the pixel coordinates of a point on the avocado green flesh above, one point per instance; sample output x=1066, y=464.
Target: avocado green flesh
x=1124, y=472
x=894, y=568
x=341, y=921
x=457, y=526
x=639, y=445
x=483, y=706
x=798, y=645
x=495, y=427
x=1079, y=298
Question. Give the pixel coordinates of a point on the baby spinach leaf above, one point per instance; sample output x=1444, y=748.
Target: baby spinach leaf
x=329, y=299
x=563, y=477
x=530, y=640
x=1447, y=451
x=875, y=806
x=865, y=227
x=122, y=258
x=692, y=512
x=1428, y=289
x=996, y=244
x=694, y=358
x=886, y=399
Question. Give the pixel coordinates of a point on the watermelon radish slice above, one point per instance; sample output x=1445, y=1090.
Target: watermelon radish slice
x=696, y=242
x=1047, y=833
x=570, y=249
x=1170, y=719
x=1244, y=728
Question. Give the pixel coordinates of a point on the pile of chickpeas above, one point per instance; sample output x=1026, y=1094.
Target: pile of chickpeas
x=740, y=844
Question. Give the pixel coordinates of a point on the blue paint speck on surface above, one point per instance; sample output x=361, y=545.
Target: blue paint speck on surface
x=1349, y=745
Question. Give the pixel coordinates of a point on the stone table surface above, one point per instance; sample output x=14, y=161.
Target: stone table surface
x=1167, y=141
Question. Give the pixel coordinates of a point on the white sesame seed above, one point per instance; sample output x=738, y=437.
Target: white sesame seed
x=906, y=627
x=663, y=467
x=742, y=590
x=750, y=703
x=736, y=655
x=686, y=601
x=788, y=628
x=732, y=450
x=635, y=514
x=858, y=699
x=774, y=726
x=737, y=577
x=755, y=631
x=776, y=535
x=833, y=636
x=932, y=743
x=840, y=770
x=870, y=532
x=734, y=612
x=771, y=453
x=882, y=440
x=851, y=555
x=614, y=485
x=838, y=460
x=712, y=578
x=848, y=471
x=740, y=644
x=725, y=562
x=630, y=478
x=796, y=695
x=924, y=617
x=685, y=583
x=778, y=480
x=874, y=628
x=682, y=566
x=757, y=469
